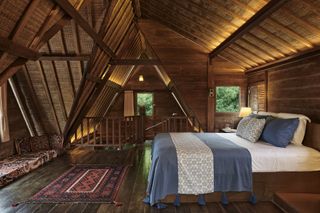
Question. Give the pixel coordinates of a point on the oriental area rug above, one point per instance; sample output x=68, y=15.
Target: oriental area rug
x=84, y=183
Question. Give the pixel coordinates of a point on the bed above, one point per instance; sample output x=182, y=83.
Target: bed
x=295, y=168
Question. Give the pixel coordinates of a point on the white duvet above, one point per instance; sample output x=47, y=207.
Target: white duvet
x=268, y=158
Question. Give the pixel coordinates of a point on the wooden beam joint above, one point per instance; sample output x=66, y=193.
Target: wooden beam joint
x=18, y=50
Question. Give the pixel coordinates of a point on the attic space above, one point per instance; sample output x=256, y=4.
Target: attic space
x=140, y=105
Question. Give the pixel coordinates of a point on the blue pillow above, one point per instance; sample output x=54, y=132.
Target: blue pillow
x=279, y=132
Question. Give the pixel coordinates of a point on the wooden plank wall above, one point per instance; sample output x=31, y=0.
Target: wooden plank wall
x=293, y=88
x=164, y=103
x=17, y=126
x=224, y=73
x=188, y=65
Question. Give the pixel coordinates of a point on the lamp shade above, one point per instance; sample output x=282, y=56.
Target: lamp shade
x=245, y=111
x=141, y=78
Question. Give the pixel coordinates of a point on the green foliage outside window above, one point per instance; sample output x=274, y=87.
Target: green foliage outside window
x=145, y=100
x=227, y=99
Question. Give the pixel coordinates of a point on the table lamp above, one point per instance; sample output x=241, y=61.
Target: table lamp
x=245, y=111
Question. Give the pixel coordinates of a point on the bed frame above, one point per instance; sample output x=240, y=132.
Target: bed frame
x=265, y=184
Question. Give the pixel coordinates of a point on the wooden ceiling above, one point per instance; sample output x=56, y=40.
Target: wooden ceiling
x=73, y=57
x=291, y=28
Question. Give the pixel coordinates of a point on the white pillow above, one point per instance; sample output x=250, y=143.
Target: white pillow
x=268, y=114
x=301, y=129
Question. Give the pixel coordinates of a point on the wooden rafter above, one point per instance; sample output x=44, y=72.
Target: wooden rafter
x=261, y=15
x=64, y=45
x=58, y=86
x=79, y=108
x=300, y=21
x=223, y=21
x=72, y=12
x=254, y=49
x=11, y=70
x=289, y=59
x=34, y=100
x=248, y=37
x=276, y=40
x=60, y=57
x=185, y=17
x=22, y=106
x=239, y=55
x=181, y=31
x=48, y=94
x=77, y=43
x=137, y=9
x=244, y=6
x=234, y=59
x=18, y=50
x=247, y=52
x=135, y=62
x=289, y=32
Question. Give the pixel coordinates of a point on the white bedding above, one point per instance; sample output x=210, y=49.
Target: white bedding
x=268, y=158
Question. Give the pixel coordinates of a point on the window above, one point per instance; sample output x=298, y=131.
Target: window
x=145, y=103
x=227, y=99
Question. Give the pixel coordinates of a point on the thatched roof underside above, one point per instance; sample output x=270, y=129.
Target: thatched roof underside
x=59, y=91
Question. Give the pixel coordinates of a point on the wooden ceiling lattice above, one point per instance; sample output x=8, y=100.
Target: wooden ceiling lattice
x=75, y=54
x=291, y=28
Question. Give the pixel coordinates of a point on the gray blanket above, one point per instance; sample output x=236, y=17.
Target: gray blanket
x=232, y=166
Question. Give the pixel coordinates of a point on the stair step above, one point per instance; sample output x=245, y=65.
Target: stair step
x=298, y=202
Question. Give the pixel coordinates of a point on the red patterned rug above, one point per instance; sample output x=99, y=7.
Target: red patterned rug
x=84, y=183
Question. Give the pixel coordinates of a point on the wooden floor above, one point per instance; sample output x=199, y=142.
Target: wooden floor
x=131, y=194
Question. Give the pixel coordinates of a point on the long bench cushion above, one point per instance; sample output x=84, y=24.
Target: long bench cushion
x=16, y=166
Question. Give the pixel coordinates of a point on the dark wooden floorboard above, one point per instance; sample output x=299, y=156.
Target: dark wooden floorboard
x=131, y=193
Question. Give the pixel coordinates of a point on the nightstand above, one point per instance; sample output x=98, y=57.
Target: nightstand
x=228, y=130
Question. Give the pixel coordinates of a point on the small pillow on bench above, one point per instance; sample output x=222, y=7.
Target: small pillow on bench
x=39, y=143
x=23, y=145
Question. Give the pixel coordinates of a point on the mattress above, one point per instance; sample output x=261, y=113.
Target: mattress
x=268, y=158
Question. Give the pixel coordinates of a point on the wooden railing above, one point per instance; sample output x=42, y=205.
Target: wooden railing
x=175, y=124
x=110, y=132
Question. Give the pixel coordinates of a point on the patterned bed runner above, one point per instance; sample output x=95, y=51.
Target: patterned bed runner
x=195, y=164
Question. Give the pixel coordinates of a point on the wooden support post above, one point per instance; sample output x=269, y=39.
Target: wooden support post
x=23, y=110
x=107, y=131
x=113, y=136
x=119, y=133
x=88, y=130
x=81, y=129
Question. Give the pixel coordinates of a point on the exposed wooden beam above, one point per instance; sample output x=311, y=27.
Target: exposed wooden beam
x=299, y=20
x=68, y=63
x=137, y=9
x=23, y=109
x=57, y=57
x=196, y=37
x=289, y=59
x=261, y=15
x=18, y=50
x=289, y=32
x=257, y=41
x=135, y=62
x=48, y=94
x=72, y=12
x=277, y=42
x=11, y=70
x=34, y=101
x=253, y=48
